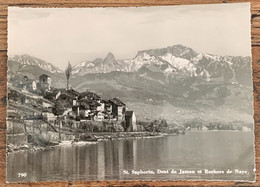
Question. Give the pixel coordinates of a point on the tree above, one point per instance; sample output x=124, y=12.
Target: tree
x=58, y=110
x=70, y=125
x=68, y=72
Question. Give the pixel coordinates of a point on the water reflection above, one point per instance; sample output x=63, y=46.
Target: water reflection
x=107, y=160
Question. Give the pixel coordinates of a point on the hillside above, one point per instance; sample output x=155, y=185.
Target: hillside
x=153, y=98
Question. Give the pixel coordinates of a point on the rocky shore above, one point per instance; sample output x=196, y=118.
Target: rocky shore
x=38, y=144
x=27, y=147
x=116, y=135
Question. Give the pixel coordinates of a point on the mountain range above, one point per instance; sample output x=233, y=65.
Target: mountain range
x=170, y=82
x=173, y=61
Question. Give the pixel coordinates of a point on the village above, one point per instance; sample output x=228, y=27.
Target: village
x=40, y=116
x=52, y=105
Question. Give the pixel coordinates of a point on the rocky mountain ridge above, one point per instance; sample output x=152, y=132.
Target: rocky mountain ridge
x=173, y=61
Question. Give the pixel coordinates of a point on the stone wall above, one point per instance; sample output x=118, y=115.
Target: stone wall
x=54, y=136
x=16, y=139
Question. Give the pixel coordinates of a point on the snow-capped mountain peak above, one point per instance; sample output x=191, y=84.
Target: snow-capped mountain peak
x=179, y=63
x=26, y=59
x=175, y=60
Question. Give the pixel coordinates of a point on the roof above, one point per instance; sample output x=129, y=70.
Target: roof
x=129, y=113
x=74, y=92
x=91, y=95
x=26, y=82
x=106, y=102
x=67, y=93
x=84, y=106
x=51, y=94
x=44, y=75
x=116, y=101
x=89, y=102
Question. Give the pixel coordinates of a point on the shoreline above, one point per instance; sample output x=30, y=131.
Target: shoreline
x=85, y=138
x=95, y=137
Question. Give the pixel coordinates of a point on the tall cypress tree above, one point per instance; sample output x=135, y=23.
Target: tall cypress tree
x=68, y=72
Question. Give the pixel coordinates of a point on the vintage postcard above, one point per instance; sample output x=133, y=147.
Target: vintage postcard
x=130, y=93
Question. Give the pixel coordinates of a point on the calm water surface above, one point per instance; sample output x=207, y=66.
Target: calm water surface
x=219, y=150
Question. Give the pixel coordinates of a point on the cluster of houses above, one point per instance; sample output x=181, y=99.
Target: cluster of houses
x=35, y=86
x=78, y=106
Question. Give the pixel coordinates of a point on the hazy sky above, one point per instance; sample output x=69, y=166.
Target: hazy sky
x=58, y=35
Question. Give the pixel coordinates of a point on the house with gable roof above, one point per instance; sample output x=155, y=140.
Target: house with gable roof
x=118, y=109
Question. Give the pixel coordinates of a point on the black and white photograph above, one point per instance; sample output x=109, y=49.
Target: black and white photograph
x=130, y=93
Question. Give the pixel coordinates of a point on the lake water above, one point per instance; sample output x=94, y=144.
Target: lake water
x=112, y=160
